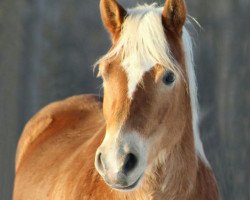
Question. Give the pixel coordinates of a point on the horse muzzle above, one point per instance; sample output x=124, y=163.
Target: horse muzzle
x=121, y=161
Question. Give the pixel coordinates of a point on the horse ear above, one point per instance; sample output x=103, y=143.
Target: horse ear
x=112, y=15
x=174, y=15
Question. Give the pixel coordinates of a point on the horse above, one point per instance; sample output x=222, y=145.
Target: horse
x=141, y=141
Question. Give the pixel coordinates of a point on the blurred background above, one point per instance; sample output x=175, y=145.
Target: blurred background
x=47, y=49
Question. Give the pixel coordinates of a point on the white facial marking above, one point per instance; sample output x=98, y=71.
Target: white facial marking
x=143, y=43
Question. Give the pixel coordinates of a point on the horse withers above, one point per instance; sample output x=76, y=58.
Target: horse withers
x=142, y=141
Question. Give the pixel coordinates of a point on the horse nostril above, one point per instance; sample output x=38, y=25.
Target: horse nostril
x=130, y=163
x=99, y=161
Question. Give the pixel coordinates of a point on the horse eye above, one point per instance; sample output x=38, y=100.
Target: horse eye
x=169, y=78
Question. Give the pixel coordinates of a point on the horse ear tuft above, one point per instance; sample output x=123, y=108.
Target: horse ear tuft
x=174, y=15
x=112, y=15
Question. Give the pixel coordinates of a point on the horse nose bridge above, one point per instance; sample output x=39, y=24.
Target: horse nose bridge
x=120, y=141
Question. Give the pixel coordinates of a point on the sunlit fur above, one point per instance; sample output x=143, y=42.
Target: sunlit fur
x=56, y=153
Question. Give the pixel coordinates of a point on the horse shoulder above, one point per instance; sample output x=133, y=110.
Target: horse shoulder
x=82, y=107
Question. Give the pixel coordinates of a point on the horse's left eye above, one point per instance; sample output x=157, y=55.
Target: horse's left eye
x=169, y=78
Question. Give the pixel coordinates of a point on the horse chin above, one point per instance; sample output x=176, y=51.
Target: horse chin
x=128, y=188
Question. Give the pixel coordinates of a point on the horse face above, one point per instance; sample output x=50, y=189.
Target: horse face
x=144, y=109
x=138, y=128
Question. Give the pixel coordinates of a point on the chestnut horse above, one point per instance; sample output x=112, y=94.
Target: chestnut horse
x=142, y=141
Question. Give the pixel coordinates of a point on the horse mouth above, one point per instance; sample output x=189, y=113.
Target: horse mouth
x=127, y=188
